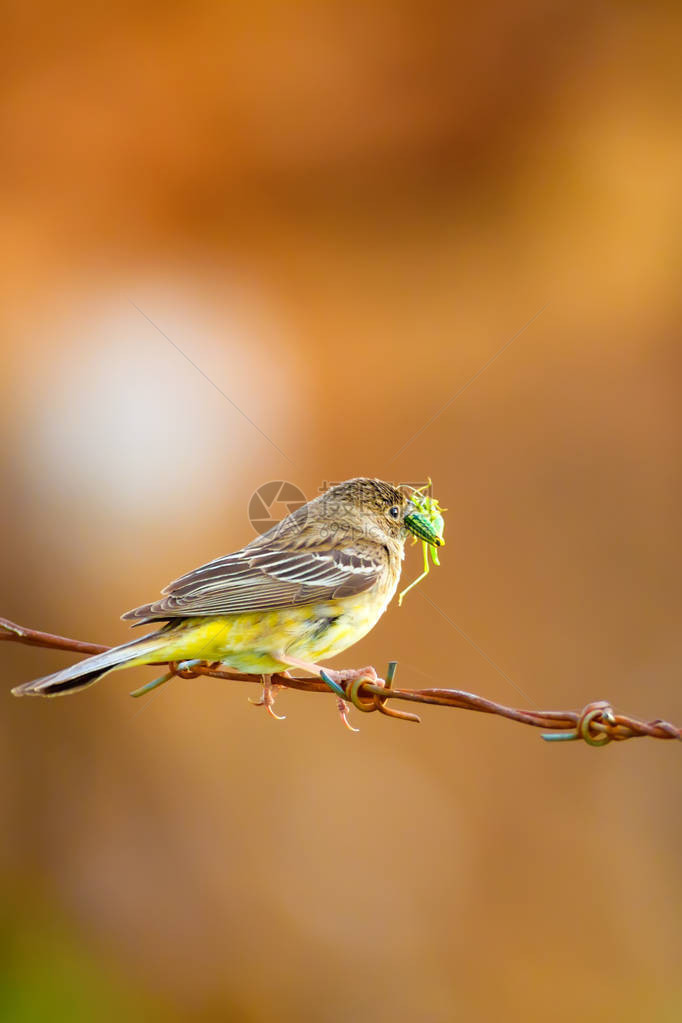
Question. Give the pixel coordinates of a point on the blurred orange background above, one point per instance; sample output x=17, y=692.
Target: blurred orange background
x=337, y=216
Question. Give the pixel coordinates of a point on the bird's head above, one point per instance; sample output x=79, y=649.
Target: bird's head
x=378, y=510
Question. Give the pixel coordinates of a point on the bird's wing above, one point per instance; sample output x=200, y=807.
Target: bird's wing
x=264, y=577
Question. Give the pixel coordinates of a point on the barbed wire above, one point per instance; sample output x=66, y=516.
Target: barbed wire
x=597, y=723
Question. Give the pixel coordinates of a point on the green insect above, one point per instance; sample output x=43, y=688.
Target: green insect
x=427, y=524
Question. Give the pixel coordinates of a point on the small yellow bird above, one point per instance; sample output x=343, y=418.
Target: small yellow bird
x=304, y=591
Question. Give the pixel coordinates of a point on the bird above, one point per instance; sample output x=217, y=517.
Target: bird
x=303, y=592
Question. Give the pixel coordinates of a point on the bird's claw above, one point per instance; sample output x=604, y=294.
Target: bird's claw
x=344, y=710
x=267, y=699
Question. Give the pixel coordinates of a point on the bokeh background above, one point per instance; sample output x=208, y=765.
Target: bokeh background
x=337, y=215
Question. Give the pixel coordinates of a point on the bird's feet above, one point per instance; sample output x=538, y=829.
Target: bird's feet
x=267, y=698
x=337, y=680
x=345, y=675
x=341, y=678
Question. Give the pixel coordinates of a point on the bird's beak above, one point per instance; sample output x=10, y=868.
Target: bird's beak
x=420, y=526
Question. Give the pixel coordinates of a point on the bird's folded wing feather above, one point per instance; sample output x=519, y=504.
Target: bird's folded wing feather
x=267, y=577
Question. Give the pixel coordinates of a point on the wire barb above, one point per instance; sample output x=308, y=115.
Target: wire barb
x=597, y=724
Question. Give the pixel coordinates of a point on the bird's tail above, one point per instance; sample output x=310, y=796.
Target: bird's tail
x=84, y=673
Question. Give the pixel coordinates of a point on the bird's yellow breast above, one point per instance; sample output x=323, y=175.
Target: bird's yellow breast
x=250, y=642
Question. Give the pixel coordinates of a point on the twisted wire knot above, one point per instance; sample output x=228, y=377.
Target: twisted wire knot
x=599, y=712
x=378, y=700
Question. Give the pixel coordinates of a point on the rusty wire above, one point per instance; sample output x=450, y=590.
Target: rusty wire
x=597, y=723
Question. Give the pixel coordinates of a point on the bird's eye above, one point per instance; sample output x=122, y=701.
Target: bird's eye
x=394, y=512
